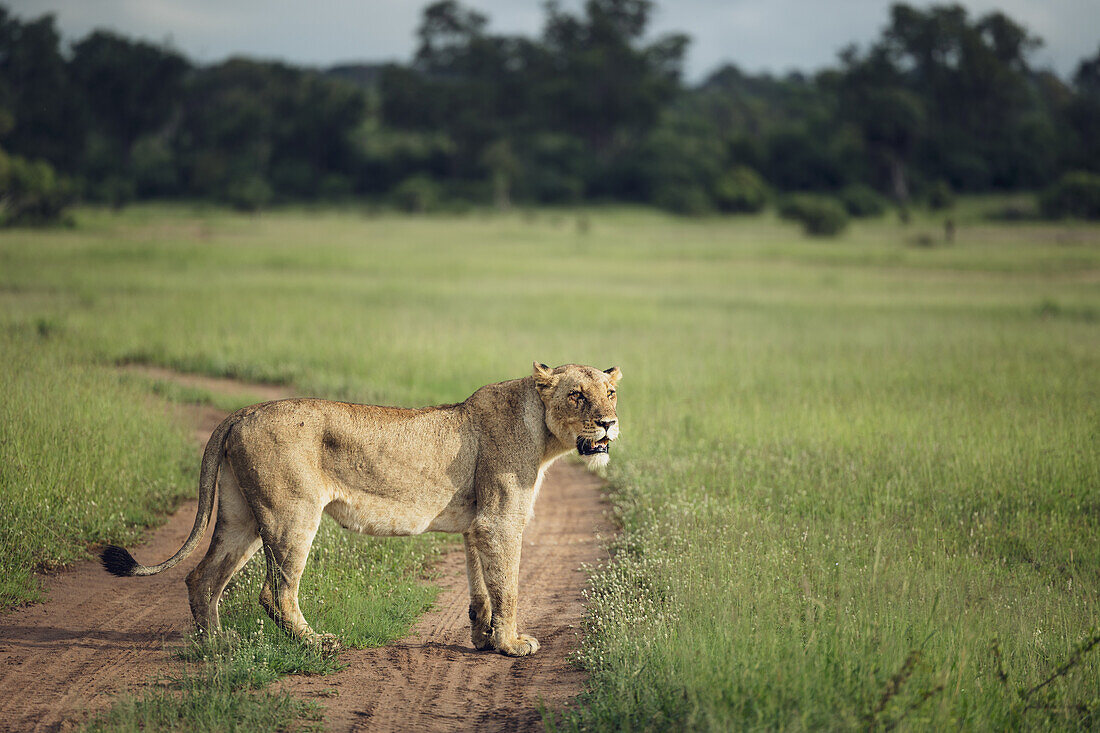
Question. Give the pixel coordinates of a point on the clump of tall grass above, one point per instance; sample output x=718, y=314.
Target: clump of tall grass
x=212, y=697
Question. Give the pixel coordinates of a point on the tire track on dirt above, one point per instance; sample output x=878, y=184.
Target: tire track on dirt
x=97, y=636
x=93, y=638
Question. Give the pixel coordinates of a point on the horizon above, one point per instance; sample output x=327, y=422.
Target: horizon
x=767, y=42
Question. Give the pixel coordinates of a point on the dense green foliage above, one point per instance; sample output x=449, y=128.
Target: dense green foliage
x=862, y=201
x=592, y=107
x=820, y=216
x=1074, y=194
x=845, y=471
x=31, y=192
x=416, y=194
x=741, y=190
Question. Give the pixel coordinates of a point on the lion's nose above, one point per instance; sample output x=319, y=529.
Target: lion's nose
x=606, y=423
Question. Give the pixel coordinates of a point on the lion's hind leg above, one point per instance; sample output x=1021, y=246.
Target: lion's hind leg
x=286, y=543
x=236, y=538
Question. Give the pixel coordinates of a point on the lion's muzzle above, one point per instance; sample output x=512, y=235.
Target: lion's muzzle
x=589, y=446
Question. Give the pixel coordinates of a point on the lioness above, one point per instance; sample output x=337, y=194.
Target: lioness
x=473, y=468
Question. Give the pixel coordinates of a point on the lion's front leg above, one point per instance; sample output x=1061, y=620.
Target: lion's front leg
x=498, y=546
x=481, y=609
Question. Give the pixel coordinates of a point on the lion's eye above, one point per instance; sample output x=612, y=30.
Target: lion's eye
x=576, y=396
x=611, y=394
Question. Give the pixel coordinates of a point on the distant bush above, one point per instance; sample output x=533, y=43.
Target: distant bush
x=334, y=187
x=687, y=199
x=940, y=196
x=117, y=191
x=1017, y=210
x=741, y=190
x=552, y=187
x=154, y=166
x=416, y=194
x=250, y=193
x=462, y=196
x=1074, y=194
x=820, y=216
x=862, y=201
x=31, y=192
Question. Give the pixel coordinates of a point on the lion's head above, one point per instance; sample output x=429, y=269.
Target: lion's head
x=580, y=407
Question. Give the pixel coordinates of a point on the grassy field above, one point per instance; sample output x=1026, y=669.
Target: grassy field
x=859, y=480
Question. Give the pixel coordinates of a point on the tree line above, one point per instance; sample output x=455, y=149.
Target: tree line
x=592, y=108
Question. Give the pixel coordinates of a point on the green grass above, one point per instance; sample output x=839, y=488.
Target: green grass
x=849, y=470
x=69, y=472
x=213, y=697
x=200, y=708
x=191, y=395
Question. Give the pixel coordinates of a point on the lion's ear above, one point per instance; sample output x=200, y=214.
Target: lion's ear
x=615, y=373
x=544, y=378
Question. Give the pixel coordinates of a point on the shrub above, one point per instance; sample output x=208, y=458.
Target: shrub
x=31, y=192
x=741, y=190
x=687, y=199
x=416, y=194
x=553, y=187
x=862, y=201
x=1074, y=194
x=334, y=186
x=674, y=169
x=820, y=216
x=117, y=191
x=154, y=167
x=940, y=196
x=1015, y=210
x=250, y=193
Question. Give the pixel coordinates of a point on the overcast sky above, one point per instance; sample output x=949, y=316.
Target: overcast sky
x=758, y=35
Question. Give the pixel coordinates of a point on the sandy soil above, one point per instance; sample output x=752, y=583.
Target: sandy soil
x=98, y=636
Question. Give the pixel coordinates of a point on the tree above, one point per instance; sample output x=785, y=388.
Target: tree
x=503, y=166
x=591, y=106
x=130, y=92
x=447, y=31
x=971, y=78
x=245, y=122
x=132, y=88
x=601, y=83
x=890, y=117
x=1082, y=112
x=45, y=114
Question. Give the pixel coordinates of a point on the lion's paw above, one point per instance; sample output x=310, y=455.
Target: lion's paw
x=325, y=643
x=523, y=646
x=481, y=627
x=482, y=640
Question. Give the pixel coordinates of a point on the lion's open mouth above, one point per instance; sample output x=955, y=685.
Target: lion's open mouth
x=588, y=447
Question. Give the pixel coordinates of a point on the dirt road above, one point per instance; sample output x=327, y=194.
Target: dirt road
x=98, y=636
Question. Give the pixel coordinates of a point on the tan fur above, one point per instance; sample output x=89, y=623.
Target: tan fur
x=471, y=468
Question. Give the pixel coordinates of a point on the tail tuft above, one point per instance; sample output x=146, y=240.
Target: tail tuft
x=117, y=561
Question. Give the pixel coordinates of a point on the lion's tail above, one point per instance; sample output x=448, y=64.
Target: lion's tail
x=118, y=561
